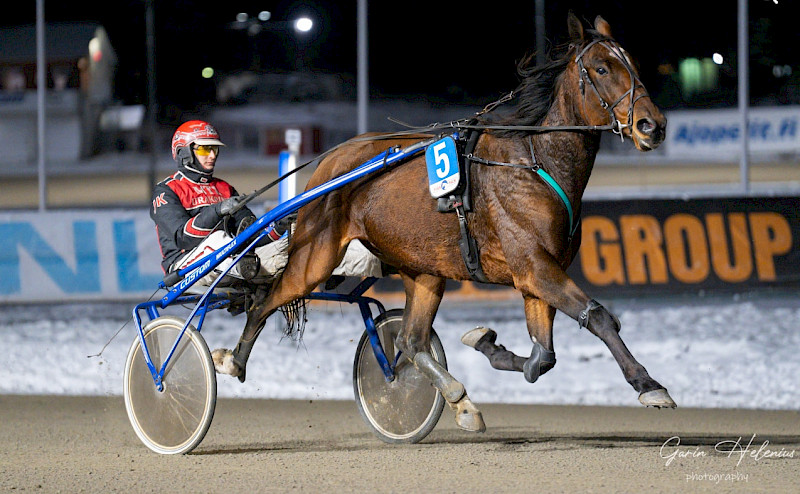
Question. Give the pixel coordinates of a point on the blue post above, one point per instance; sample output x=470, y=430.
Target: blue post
x=283, y=167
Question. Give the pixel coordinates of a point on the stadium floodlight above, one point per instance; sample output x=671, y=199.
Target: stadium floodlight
x=303, y=24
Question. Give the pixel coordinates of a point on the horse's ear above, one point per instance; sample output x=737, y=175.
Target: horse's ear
x=575, y=27
x=602, y=27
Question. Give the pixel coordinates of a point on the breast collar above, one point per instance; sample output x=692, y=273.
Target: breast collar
x=546, y=177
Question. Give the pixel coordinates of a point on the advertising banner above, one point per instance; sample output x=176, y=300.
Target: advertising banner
x=629, y=248
x=68, y=256
x=680, y=246
x=716, y=135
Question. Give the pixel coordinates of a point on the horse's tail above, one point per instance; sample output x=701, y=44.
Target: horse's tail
x=295, y=314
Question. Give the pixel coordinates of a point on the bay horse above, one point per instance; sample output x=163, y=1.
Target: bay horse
x=519, y=222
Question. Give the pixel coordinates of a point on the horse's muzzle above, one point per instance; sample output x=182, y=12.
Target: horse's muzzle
x=649, y=133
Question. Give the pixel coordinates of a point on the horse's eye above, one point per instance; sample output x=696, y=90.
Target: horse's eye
x=601, y=71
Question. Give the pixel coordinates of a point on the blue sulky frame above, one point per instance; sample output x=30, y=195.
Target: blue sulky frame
x=178, y=282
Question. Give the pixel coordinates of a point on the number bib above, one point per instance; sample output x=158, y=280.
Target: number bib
x=443, y=173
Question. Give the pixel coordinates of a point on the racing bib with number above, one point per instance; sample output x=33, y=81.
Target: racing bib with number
x=443, y=173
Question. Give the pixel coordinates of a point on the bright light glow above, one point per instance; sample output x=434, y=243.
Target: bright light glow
x=264, y=15
x=242, y=17
x=303, y=24
x=208, y=73
x=94, y=50
x=717, y=58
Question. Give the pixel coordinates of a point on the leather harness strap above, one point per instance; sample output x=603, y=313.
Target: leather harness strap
x=461, y=203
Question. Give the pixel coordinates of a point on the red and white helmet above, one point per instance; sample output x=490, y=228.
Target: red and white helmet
x=193, y=132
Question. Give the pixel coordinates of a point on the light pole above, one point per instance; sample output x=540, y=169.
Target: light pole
x=152, y=110
x=363, y=74
x=744, y=96
x=41, y=87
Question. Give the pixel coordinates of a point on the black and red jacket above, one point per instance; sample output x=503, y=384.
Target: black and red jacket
x=182, y=213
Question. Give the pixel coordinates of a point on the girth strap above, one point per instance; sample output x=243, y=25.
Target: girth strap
x=466, y=194
x=469, y=248
x=461, y=203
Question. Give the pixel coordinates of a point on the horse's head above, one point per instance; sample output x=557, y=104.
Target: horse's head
x=610, y=88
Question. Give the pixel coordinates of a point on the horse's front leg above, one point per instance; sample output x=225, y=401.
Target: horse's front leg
x=539, y=315
x=539, y=318
x=423, y=295
x=548, y=280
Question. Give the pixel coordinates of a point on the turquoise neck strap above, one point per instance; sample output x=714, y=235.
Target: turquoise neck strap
x=549, y=180
x=558, y=190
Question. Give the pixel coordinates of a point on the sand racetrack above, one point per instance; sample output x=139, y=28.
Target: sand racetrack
x=85, y=444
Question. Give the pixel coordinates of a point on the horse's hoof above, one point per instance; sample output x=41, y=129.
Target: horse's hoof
x=468, y=417
x=472, y=337
x=658, y=398
x=224, y=363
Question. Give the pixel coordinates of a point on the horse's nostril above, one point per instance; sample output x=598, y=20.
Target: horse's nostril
x=646, y=126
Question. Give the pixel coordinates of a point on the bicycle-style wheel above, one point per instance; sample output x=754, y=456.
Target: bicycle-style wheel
x=407, y=409
x=175, y=419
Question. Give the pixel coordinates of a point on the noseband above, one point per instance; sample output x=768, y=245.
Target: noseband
x=636, y=83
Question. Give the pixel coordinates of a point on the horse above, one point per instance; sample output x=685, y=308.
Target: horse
x=518, y=220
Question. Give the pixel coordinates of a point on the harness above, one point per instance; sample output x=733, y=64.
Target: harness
x=461, y=201
x=468, y=132
x=546, y=177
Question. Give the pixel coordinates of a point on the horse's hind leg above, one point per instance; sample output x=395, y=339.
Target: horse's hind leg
x=423, y=295
x=309, y=265
x=484, y=340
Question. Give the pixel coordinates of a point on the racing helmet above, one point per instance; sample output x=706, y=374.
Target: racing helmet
x=192, y=132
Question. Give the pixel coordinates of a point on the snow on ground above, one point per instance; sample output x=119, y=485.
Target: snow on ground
x=727, y=351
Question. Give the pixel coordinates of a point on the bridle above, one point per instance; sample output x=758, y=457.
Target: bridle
x=636, y=83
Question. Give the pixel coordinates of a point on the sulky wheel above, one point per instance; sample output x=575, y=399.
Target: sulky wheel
x=406, y=409
x=175, y=419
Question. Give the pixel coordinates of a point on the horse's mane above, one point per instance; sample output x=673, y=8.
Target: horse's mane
x=535, y=93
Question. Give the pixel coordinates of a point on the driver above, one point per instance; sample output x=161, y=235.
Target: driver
x=192, y=211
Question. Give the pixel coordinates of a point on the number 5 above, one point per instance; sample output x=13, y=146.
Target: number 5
x=439, y=158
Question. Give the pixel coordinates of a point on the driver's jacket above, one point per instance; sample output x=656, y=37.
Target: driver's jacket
x=182, y=213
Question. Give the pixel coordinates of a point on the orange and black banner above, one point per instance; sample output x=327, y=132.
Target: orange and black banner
x=641, y=247
x=682, y=246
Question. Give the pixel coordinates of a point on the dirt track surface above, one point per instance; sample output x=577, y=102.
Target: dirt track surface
x=80, y=444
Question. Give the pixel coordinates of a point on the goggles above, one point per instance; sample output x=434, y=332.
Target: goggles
x=205, y=150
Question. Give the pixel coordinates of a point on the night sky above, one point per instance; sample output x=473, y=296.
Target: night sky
x=416, y=47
